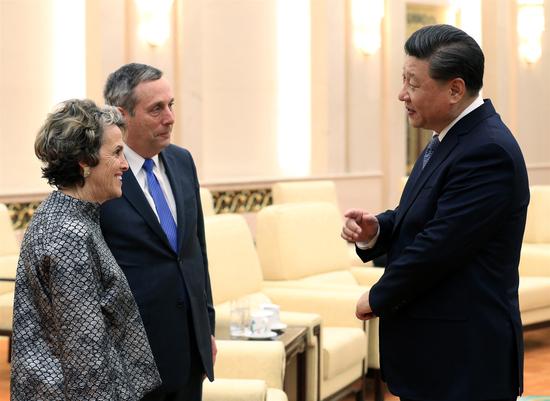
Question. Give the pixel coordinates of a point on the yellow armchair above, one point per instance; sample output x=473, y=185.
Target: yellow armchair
x=311, y=191
x=236, y=273
x=299, y=246
x=534, y=268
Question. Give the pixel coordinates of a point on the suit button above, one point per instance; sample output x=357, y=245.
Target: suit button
x=180, y=304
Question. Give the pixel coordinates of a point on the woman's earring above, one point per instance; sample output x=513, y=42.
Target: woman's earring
x=85, y=171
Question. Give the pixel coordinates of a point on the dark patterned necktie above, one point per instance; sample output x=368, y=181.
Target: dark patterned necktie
x=165, y=216
x=432, y=146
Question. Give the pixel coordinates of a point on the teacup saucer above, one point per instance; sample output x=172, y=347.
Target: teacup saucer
x=260, y=336
x=279, y=326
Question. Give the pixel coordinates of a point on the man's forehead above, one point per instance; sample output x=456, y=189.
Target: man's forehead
x=414, y=66
x=157, y=91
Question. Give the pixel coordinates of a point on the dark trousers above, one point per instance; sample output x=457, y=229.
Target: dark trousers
x=192, y=391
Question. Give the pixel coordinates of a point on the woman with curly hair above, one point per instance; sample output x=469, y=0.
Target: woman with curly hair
x=77, y=332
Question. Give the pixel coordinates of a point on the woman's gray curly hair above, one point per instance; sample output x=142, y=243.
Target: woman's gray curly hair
x=71, y=134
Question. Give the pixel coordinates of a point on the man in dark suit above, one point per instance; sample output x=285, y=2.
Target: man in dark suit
x=450, y=327
x=156, y=233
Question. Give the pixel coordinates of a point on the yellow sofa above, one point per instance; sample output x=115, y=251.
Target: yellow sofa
x=534, y=288
x=236, y=273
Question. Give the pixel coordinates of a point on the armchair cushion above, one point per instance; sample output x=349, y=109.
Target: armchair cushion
x=535, y=260
x=245, y=276
x=6, y=311
x=537, y=228
x=264, y=360
x=341, y=277
x=286, y=235
x=342, y=349
x=534, y=293
x=234, y=390
x=336, y=308
x=8, y=268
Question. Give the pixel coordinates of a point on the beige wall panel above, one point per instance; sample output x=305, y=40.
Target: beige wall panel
x=105, y=43
x=534, y=112
x=328, y=86
x=188, y=56
x=25, y=85
x=392, y=134
x=239, y=89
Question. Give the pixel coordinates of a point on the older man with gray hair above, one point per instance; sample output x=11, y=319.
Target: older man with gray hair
x=156, y=233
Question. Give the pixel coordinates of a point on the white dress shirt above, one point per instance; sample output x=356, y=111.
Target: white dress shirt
x=135, y=162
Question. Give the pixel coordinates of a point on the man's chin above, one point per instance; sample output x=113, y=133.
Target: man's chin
x=163, y=140
x=414, y=123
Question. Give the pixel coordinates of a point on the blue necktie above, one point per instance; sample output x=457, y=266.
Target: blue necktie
x=432, y=146
x=165, y=216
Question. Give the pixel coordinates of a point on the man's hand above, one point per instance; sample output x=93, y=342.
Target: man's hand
x=359, y=226
x=214, y=350
x=363, y=310
x=214, y=353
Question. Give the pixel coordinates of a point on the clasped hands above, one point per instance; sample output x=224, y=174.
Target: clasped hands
x=360, y=226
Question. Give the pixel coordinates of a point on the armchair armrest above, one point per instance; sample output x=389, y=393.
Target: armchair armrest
x=301, y=319
x=367, y=276
x=234, y=390
x=8, y=267
x=263, y=360
x=535, y=260
x=337, y=308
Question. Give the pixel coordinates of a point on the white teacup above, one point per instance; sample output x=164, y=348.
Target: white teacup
x=260, y=322
x=274, y=309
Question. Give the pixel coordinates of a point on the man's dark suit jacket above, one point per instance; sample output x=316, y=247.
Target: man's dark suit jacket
x=166, y=285
x=450, y=327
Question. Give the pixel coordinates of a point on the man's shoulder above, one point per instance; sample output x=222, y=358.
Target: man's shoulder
x=177, y=151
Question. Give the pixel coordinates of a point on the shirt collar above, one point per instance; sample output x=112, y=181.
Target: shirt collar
x=136, y=161
x=474, y=105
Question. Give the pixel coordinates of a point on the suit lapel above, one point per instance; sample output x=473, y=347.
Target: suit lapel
x=135, y=196
x=170, y=166
x=420, y=176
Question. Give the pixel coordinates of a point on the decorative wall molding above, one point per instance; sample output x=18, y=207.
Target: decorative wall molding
x=229, y=201
x=21, y=213
x=242, y=201
x=239, y=196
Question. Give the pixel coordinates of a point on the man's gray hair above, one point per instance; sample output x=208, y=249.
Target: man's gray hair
x=119, y=89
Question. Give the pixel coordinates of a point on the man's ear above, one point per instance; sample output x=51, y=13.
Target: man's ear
x=122, y=111
x=457, y=90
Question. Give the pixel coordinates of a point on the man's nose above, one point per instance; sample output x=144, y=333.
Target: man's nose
x=168, y=117
x=402, y=95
